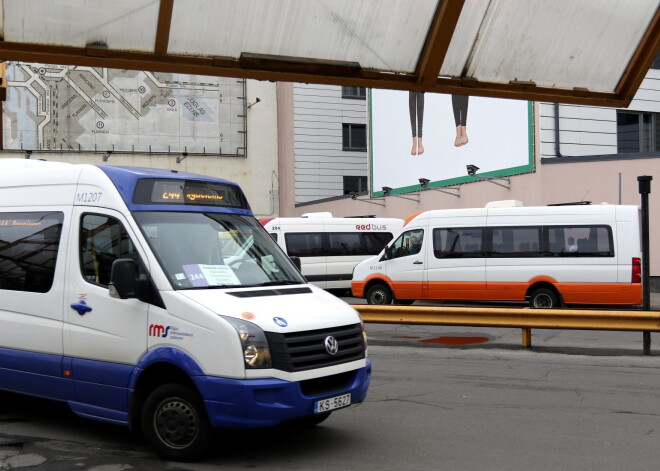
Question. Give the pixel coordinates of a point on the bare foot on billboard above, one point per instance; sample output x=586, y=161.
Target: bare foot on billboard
x=413, y=151
x=457, y=141
x=464, y=137
x=420, y=146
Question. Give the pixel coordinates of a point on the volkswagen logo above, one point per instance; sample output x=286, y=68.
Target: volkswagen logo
x=331, y=345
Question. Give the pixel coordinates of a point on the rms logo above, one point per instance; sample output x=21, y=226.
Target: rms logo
x=156, y=330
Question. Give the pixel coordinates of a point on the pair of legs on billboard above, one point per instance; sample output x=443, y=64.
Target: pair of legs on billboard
x=416, y=107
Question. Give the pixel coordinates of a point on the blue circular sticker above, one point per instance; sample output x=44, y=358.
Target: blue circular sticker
x=280, y=321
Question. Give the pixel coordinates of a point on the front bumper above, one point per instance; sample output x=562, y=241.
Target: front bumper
x=267, y=402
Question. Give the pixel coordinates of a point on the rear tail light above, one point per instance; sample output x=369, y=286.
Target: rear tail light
x=636, y=270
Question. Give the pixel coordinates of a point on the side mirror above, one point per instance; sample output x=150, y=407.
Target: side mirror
x=124, y=279
x=388, y=253
x=296, y=261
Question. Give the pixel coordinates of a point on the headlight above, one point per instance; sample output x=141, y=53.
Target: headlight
x=253, y=343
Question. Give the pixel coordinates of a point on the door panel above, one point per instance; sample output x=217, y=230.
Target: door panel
x=113, y=330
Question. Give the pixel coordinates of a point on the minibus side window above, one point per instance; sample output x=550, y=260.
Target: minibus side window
x=580, y=241
x=373, y=242
x=103, y=240
x=458, y=242
x=29, y=243
x=303, y=244
x=344, y=243
x=516, y=242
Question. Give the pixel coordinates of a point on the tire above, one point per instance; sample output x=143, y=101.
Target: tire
x=379, y=294
x=175, y=424
x=544, y=298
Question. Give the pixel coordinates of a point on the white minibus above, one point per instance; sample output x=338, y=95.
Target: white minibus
x=330, y=247
x=547, y=256
x=154, y=299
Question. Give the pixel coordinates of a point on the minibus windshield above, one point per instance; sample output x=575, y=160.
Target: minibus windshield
x=215, y=250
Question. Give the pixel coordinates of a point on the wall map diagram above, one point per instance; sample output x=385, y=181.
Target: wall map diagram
x=76, y=108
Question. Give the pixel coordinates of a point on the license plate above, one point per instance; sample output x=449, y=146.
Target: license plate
x=332, y=403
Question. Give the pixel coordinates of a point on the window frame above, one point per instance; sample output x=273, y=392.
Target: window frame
x=360, y=93
x=349, y=138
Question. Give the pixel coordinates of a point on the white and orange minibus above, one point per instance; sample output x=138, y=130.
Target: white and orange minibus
x=547, y=256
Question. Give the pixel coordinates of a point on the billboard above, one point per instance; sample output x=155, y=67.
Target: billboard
x=435, y=136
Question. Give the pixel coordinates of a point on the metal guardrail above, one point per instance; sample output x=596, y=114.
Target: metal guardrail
x=525, y=318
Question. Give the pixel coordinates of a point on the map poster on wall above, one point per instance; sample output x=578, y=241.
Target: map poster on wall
x=76, y=108
x=436, y=136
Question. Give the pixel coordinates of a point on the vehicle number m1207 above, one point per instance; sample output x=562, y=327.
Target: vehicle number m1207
x=91, y=197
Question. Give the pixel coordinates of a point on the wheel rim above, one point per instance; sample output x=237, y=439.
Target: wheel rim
x=543, y=301
x=378, y=297
x=176, y=423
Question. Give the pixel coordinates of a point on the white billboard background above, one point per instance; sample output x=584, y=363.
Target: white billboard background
x=497, y=129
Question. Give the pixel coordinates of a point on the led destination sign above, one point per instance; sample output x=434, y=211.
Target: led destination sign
x=188, y=192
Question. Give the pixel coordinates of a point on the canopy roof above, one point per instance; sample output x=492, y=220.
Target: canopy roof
x=574, y=51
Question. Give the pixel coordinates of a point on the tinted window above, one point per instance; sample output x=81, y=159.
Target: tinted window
x=516, y=242
x=458, y=242
x=374, y=242
x=28, y=250
x=580, y=241
x=305, y=245
x=336, y=244
x=345, y=244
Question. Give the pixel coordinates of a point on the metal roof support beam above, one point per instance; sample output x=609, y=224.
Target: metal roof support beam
x=641, y=60
x=163, y=28
x=252, y=67
x=437, y=41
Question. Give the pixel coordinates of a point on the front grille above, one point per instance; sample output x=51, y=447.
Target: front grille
x=327, y=384
x=301, y=351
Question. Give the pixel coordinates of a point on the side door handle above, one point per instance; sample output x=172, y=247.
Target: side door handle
x=81, y=307
x=417, y=262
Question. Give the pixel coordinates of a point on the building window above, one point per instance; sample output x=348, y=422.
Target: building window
x=637, y=132
x=354, y=93
x=357, y=184
x=354, y=137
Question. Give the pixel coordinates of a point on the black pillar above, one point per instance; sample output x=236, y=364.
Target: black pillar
x=644, y=190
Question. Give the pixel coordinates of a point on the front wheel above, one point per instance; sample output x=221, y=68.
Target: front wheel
x=379, y=294
x=174, y=422
x=544, y=298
